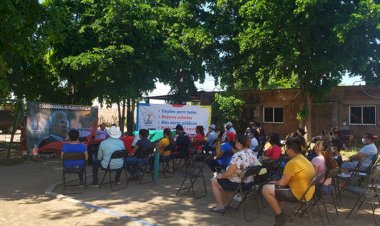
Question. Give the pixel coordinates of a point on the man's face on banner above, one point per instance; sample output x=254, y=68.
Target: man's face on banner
x=60, y=125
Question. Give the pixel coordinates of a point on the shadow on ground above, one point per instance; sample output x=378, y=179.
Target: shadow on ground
x=158, y=204
x=22, y=194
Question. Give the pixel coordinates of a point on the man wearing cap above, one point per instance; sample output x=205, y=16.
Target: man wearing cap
x=211, y=136
x=229, y=128
x=106, y=148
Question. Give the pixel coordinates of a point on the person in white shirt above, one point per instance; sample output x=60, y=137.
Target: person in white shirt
x=254, y=142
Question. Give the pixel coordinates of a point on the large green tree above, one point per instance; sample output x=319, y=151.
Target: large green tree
x=185, y=42
x=104, y=49
x=311, y=42
x=318, y=41
x=19, y=47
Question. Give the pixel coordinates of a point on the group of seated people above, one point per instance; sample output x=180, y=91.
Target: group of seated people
x=137, y=155
x=297, y=173
x=236, y=153
x=102, y=157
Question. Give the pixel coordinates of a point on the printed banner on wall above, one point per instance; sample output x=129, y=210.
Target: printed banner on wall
x=48, y=124
x=161, y=116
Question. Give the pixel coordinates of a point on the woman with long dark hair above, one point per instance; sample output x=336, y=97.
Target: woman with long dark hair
x=199, y=139
x=166, y=144
x=274, y=152
x=323, y=162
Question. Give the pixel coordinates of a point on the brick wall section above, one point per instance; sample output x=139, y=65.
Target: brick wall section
x=326, y=113
x=356, y=96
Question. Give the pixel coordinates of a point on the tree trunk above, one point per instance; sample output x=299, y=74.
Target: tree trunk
x=308, y=103
x=119, y=112
x=129, y=116
x=122, y=115
x=133, y=114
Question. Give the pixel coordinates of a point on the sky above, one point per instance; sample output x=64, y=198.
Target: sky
x=208, y=85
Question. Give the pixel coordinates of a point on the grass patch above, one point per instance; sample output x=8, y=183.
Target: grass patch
x=349, y=152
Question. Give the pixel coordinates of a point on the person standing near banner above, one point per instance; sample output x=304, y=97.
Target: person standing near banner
x=101, y=133
x=58, y=127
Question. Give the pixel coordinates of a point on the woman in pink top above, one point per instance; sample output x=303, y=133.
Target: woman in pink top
x=319, y=161
x=323, y=162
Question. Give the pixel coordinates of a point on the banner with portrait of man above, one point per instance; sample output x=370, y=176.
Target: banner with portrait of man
x=48, y=125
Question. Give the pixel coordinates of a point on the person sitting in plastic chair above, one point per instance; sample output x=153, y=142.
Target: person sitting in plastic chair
x=74, y=146
x=225, y=184
x=137, y=152
x=297, y=175
x=365, y=155
x=222, y=159
x=106, y=148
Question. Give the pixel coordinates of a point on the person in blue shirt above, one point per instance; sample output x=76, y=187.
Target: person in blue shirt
x=226, y=152
x=106, y=148
x=365, y=154
x=73, y=146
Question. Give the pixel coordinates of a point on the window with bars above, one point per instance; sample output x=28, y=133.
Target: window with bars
x=363, y=115
x=273, y=115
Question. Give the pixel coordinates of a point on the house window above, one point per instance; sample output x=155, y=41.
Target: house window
x=273, y=115
x=363, y=115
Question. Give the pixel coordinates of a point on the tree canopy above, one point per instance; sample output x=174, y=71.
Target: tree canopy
x=18, y=25
x=318, y=41
x=68, y=51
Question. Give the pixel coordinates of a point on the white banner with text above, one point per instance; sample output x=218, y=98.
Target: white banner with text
x=161, y=116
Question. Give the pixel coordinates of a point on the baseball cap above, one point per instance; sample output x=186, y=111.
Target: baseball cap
x=212, y=126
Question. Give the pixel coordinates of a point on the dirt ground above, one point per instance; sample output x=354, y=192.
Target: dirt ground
x=23, y=202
